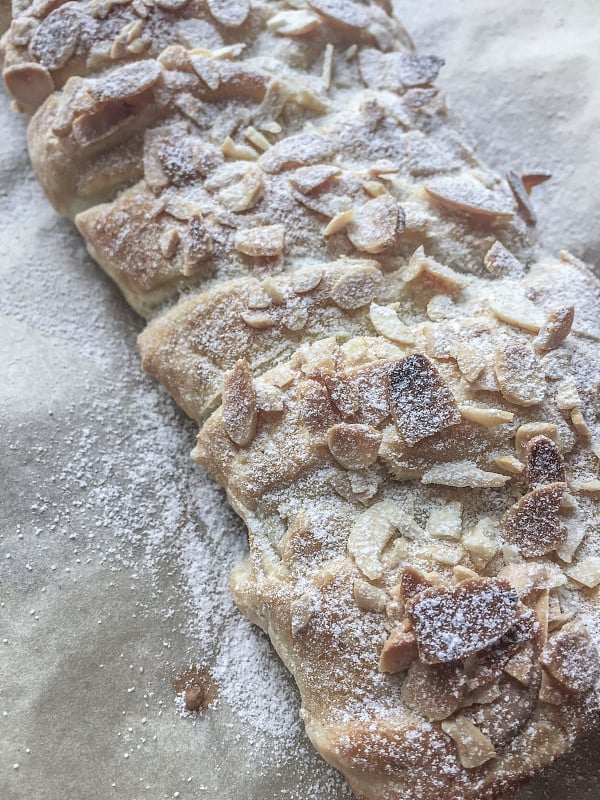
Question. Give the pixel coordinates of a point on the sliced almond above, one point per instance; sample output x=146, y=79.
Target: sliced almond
x=308, y=179
x=315, y=406
x=463, y=474
x=399, y=651
x=521, y=196
x=169, y=242
x=532, y=524
x=586, y=572
x=446, y=554
x=543, y=462
x=293, y=23
x=501, y=263
x=434, y=691
x=551, y=691
x=258, y=319
x=296, y=151
x=305, y=280
x=126, y=82
x=377, y=224
x=371, y=532
x=481, y=546
x=488, y=417
x=510, y=464
x=521, y=666
x=474, y=748
x=422, y=269
x=369, y=598
x=567, y=396
x=461, y=574
x=512, y=307
x=343, y=13
x=354, y=446
x=580, y=424
x=421, y=402
x=530, y=430
x=555, y=329
x=528, y=578
x=446, y=522
x=453, y=623
x=240, y=152
x=339, y=222
x=229, y=13
x=575, y=535
x=386, y=322
x=266, y=241
x=244, y=194
x=239, y=404
x=356, y=289
x=466, y=195
x=520, y=375
x=571, y=658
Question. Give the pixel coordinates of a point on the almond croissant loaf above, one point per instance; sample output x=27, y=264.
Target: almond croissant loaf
x=409, y=386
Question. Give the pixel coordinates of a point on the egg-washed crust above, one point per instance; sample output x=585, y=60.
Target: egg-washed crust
x=423, y=552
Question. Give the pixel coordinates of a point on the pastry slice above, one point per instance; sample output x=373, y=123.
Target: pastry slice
x=423, y=552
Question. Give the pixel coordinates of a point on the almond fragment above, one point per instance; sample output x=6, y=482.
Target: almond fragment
x=266, y=241
x=521, y=196
x=239, y=152
x=473, y=747
x=529, y=430
x=532, y=524
x=510, y=464
x=448, y=555
x=377, y=224
x=395, y=72
x=305, y=280
x=229, y=13
x=426, y=270
x=356, y=289
x=445, y=522
x=368, y=597
x=293, y=23
x=239, y=404
x=521, y=666
x=551, y=691
x=296, y=151
x=343, y=13
x=308, y=179
x=257, y=319
x=543, y=462
x=511, y=306
x=399, y=651
x=421, y=403
x=571, y=658
x=354, y=446
x=463, y=474
x=580, y=424
x=567, y=397
x=532, y=179
x=467, y=195
x=488, y=417
x=586, y=572
x=555, y=329
x=520, y=375
x=453, y=623
x=481, y=546
x=386, y=322
x=315, y=406
x=371, y=531
x=339, y=222
x=501, y=263
x=434, y=691
x=126, y=82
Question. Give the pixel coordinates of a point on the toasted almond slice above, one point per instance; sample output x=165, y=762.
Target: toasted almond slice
x=501, y=263
x=521, y=196
x=571, y=658
x=532, y=179
x=339, y=222
x=240, y=152
x=344, y=13
x=474, y=748
x=432, y=690
x=421, y=403
x=239, y=404
x=467, y=195
x=169, y=242
x=356, y=289
x=229, y=13
x=305, y=280
x=532, y=524
x=445, y=554
x=529, y=430
x=369, y=598
x=29, y=83
x=308, y=179
x=521, y=666
x=510, y=464
x=126, y=82
x=293, y=23
x=266, y=241
x=555, y=329
x=520, y=375
x=354, y=446
x=374, y=188
x=461, y=574
x=445, y=522
x=371, y=531
x=586, y=572
x=452, y=623
x=527, y=578
x=386, y=322
x=580, y=424
x=512, y=307
x=299, y=150
x=488, y=417
x=56, y=38
x=399, y=651
x=244, y=194
x=463, y=474
x=481, y=546
x=259, y=320
x=543, y=462
x=420, y=268
x=575, y=535
x=567, y=397
x=377, y=224
x=273, y=290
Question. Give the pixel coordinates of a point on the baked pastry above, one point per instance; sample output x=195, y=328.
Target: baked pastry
x=423, y=537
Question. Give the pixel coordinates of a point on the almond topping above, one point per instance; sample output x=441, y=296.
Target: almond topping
x=445, y=522
x=521, y=196
x=29, y=83
x=567, y=397
x=239, y=404
x=308, y=179
x=488, y=417
x=399, y=651
x=369, y=598
x=501, y=263
x=544, y=463
x=580, y=424
x=474, y=748
x=555, y=329
x=339, y=222
x=432, y=690
x=230, y=13
x=463, y=474
x=512, y=307
x=377, y=224
x=426, y=270
x=451, y=624
x=305, y=280
x=586, y=572
x=293, y=23
x=520, y=375
x=532, y=524
x=386, y=322
x=296, y=151
x=257, y=319
x=521, y=665
x=571, y=658
x=345, y=13
x=480, y=545
x=467, y=195
x=371, y=531
x=263, y=242
x=510, y=464
x=169, y=242
x=421, y=403
x=356, y=289
x=354, y=446
x=530, y=430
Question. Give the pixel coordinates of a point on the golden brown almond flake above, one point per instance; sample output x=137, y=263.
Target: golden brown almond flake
x=460, y=573
x=386, y=322
x=580, y=424
x=501, y=263
x=293, y=22
x=510, y=464
x=530, y=430
x=571, y=658
x=422, y=269
x=257, y=319
x=127, y=82
x=586, y=572
x=377, y=224
x=266, y=241
x=532, y=524
x=229, y=13
x=357, y=289
x=473, y=747
x=453, y=623
x=374, y=188
x=399, y=651
x=567, y=396
x=354, y=446
x=239, y=152
x=511, y=306
x=555, y=329
x=244, y=194
x=435, y=691
x=521, y=666
x=520, y=375
x=488, y=417
x=467, y=195
x=532, y=179
x=339, y=222
x=368, y=597
x=421, y=403
x=239, y=404
x=463, y=474
x=543, y=462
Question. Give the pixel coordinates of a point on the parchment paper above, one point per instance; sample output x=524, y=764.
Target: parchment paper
x=115, y=549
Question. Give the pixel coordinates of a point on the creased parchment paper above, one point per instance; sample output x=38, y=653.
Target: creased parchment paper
x=115, y=549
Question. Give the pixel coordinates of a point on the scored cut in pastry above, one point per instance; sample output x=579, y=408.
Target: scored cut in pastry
x=409, y=387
